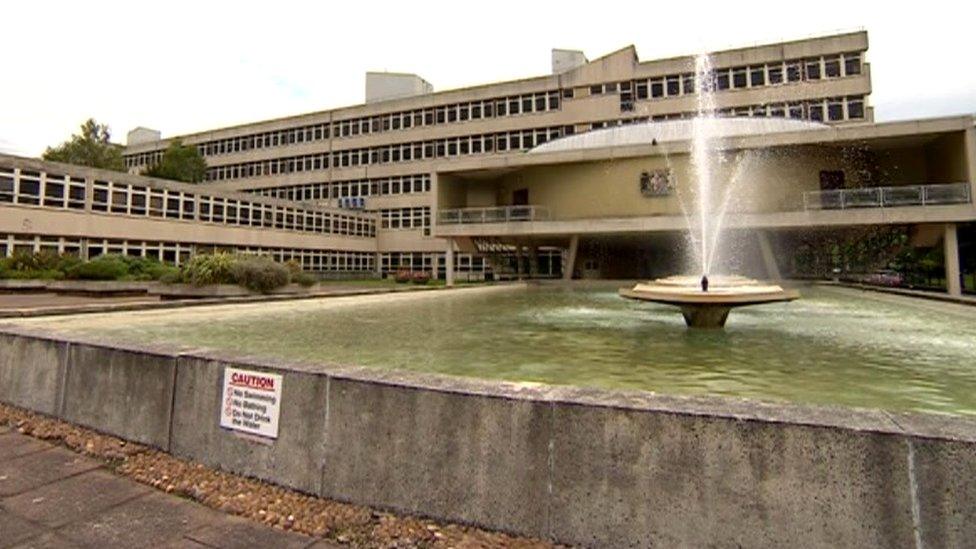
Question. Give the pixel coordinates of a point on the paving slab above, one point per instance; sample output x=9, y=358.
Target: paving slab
x=150, y=520
x=14, y=529
x=13, y=445
x=237, y=533
x=47, y=541
x=39, y=468
x=74, y=498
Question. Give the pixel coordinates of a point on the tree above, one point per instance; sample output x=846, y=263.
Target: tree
x=180, y=163
x=91, y=147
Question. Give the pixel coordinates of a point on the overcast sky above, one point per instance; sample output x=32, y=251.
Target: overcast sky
x=182, y=67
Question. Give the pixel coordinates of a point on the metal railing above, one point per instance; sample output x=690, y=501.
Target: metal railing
x=492, y=214
x=887, y=197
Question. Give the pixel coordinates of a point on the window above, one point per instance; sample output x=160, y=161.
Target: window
x=816, y=111
x=673, y=86
x=568, y=93
x=793, y=71
x=835, y=109
x=610, y=88
x=739, y=77
x=775, y=74
x=642, y=90
x=855, y=107
x=596, y=89
x=813, y=69
x=757, y=76
x=688, y=84
x=832, y=66
x=722, y=80
x=852, y=64
x=657, y=88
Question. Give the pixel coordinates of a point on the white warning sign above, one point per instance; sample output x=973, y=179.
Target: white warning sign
x=251, y=402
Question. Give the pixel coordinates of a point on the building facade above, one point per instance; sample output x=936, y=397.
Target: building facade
x=379, y=156
x=581, y=173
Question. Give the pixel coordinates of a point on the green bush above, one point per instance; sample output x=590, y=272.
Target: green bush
x=105, y=267
x=206, y=269
x=259, y=274
x=43, y=265
x=305, y=280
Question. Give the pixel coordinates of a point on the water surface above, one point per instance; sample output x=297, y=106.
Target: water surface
x=832, y=346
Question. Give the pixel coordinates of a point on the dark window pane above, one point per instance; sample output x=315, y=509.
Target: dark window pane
x=757, y=76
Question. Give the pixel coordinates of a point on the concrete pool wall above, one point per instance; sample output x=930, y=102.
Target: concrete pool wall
x=579, y=466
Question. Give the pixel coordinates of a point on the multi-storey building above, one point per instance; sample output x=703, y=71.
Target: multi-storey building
x=379, y=156
x=582, y=173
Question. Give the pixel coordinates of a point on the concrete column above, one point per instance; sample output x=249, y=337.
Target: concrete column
x=768, y=257
x=950, y=243
x=970, y=144
x=519, y=268
x=533, y=261
x=449, y=262
x=571, y=257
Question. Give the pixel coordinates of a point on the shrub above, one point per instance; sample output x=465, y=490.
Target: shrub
x=105, y=267
x=403, y=275
x=172, y=276
x=146, y=268
x=29, y=261
x=206, y=269
x=68, y=262
x=421, y=277
x=305, y=280
x=259, y=274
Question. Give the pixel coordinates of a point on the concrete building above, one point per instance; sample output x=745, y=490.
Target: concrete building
x=571, y=160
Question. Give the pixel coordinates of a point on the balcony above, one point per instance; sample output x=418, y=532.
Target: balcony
x=492, y=214
x=888, y=197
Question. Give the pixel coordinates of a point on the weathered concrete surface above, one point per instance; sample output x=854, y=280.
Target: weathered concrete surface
x=124, y=392
x=625, y=478
x=945, y=473
x=460, y=457
x=31, y=372
x=296, y=457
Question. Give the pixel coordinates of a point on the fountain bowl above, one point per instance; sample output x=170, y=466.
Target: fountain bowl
x=709, y=309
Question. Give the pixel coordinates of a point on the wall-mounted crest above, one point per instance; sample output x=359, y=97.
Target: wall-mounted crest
x=656, y=182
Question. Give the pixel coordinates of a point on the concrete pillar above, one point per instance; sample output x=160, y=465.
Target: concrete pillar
x=571, y=257
x=449, y=263
x=950, y=244
x=768, y=257
x=533, y=262
x=519, y=266
x=970, y=144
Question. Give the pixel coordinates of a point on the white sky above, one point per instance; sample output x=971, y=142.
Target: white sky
x=181, y=66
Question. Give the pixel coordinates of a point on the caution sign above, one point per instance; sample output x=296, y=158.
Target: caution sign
x=251, y=402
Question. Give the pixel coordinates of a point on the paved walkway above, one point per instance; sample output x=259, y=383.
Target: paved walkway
x=52, y=497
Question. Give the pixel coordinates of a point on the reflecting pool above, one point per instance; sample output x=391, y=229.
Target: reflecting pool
x=834, y=346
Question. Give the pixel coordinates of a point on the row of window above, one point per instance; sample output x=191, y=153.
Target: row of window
x=385, y=186
x=178, y=253
x=746, y=76
x=831, y=109
x=391, y=262
x=738, y=77
x=517, y=140
x=458, y=112
x=34, y=188
x=406, y=218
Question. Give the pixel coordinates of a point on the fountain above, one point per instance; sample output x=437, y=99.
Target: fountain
x=706, y=301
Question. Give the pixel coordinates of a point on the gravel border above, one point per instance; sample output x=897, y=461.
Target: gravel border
x=272, y=505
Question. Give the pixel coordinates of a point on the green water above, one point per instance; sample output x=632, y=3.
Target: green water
x=830, y=347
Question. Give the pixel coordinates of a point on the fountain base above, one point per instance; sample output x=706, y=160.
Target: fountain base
x=709, y=309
